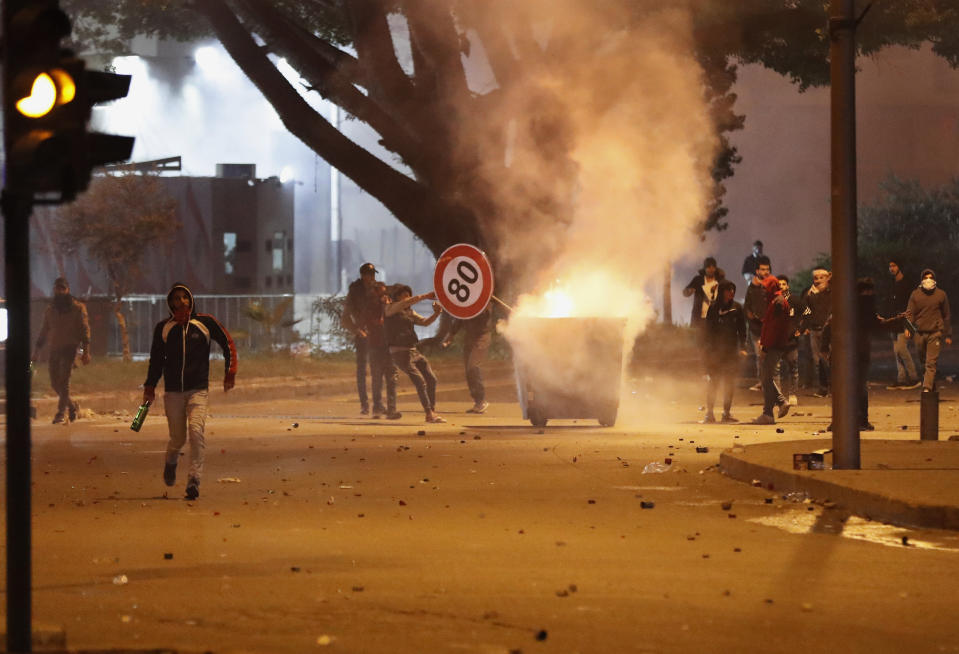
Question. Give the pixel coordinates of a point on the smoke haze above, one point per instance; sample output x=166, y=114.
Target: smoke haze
x=622, y=102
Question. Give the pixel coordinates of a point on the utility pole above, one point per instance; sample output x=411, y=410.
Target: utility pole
x=845, y=328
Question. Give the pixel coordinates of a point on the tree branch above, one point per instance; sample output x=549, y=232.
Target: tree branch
x=299, y=47
x=416, y=206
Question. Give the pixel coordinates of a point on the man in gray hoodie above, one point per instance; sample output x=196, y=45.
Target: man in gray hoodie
x=928, y=310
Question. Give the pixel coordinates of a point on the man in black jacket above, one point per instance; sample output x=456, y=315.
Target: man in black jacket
x=755, y=308
x=725, y=344
x=180, y=353
x=359, y=298
x=896, y=303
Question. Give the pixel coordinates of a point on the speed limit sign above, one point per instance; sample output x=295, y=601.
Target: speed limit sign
x=463, y=281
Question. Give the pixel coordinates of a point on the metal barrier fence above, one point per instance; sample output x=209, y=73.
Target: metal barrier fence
x=143, y=312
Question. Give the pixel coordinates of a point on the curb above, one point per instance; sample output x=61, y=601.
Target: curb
x=863, y=503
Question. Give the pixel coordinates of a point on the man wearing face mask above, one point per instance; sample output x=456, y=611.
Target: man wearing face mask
x=65, y=325
x=928, y=310
x=180, y=353
x=816, y=315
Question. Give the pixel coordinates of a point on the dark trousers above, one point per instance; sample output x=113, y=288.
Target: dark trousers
x=418, y=369
x=928, y=344
x=820, y=357
x=381, y=367
x=362, y=346
x=721, y=371
x=474, y=353
x=61, y=367
x=789, y=370
x=862, y=384
x=772, y=394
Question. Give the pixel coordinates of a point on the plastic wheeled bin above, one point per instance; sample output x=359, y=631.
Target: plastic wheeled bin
x=568, y=368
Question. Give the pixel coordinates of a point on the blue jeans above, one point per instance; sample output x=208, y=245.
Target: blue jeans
x=362, y=345
x=418, y=369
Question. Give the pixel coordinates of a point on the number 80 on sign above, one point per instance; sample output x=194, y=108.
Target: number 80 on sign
x=463, y=281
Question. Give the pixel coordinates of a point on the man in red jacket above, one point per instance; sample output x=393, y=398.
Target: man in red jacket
x=774, y=339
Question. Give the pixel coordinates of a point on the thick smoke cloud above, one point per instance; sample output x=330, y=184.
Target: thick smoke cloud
x=610, y=154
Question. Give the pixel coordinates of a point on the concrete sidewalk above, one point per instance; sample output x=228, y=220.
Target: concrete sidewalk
x=903, y=482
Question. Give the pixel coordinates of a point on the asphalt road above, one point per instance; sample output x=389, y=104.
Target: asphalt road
x=345, y=534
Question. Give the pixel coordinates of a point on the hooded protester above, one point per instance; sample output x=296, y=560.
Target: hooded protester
x=928, y=310
x=725, y=343
x=774, y=339
x=180, y=353
x=896, y=303
x=66, y=326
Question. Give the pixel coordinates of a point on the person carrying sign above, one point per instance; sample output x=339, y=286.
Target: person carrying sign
x=401, y=338
x=476, y=342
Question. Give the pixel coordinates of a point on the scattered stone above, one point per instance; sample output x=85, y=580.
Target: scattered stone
x=905, y=541
x=296, y=425
x=477, y=437
x=768, y=500
x=421, y=432
x=541, y=635
x=324, y=640
x=726, y=506
x=573, y=588
x=591, y=501
x=358, y=589
x=168, y=555
x=562, y=593
x=737, y=549
x=647, y=505
x=780, y=430
x=702, y=450
x=768, y=600
x=294, y=568
x=732, y=515
x=120, y=580
x=757, y=483
x=903, y=427
x=402, y=503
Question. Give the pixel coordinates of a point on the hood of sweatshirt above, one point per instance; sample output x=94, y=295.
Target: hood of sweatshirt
x=169, y=299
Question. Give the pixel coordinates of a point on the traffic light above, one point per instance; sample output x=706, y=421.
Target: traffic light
x=48, y=97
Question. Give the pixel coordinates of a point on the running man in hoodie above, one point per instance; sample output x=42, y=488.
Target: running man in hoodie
x=928, y=310
x=725, y=344
x=774, y=339
x=181, y=354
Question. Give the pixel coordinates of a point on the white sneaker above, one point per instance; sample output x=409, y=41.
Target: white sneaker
x=793, y=400
x=478, y=408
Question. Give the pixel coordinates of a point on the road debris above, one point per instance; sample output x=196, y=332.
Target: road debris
x=228, y=480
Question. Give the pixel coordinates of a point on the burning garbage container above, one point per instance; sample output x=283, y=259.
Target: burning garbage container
x=568, y=367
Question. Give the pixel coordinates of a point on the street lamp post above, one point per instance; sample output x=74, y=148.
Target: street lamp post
x=845, y=328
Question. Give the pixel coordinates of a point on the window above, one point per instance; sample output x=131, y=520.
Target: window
x=279, y=240
x=229, y=252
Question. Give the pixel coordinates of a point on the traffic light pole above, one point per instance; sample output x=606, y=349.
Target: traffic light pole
x=17, y=207
x=845, y=377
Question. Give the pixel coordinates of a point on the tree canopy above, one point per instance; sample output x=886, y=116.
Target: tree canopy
x=463, y=153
